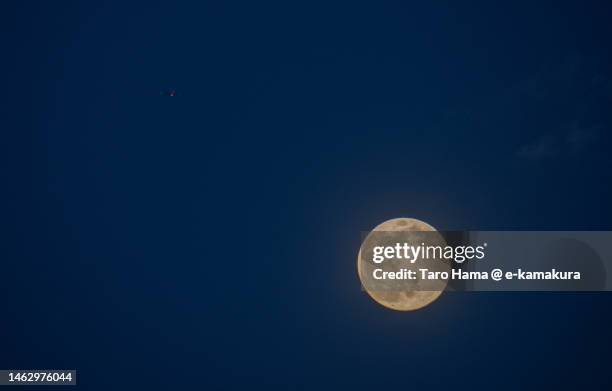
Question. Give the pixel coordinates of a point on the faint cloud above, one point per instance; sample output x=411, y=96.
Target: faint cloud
x=577, y=141
x=543, y=148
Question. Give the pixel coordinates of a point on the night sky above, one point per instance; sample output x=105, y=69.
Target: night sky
x=208, y=240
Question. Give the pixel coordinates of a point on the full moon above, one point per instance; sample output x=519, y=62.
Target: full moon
x=407, y=296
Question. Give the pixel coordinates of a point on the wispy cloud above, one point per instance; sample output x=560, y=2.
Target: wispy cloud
x=575, y=142
x=579, y=140
x=543, y=148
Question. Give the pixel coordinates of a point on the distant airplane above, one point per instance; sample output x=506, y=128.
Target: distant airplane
x=169, y=93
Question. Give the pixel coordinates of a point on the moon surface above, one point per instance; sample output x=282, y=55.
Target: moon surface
x=407, y=296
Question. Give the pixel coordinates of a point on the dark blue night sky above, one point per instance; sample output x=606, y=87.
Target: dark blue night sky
x=208, y=240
